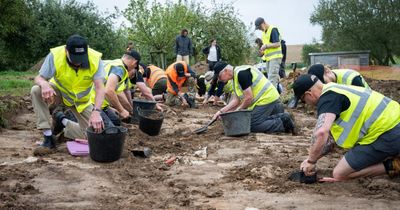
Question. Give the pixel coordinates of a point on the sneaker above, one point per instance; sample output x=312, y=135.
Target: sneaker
x=288, y=123
x=47, y=147
x=58, y=127
x=392, y=167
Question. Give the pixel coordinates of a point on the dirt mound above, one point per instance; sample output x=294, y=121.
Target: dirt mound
x=389, y=88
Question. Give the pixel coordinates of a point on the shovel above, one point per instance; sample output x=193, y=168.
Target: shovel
x=204, y=128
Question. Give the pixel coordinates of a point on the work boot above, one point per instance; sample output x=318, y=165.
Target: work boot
x=288, y=123
x=58, y=116
x=47, y=147
x=392, y=167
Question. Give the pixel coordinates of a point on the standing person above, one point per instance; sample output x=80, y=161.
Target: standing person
x=183, y=47
x=67, y=77
x=213, y=53
x=356, y=118
x=271, y=49
x=253, y=91
x=340, y=76
x=282, y=72
x=180, y=75
x=130, y=46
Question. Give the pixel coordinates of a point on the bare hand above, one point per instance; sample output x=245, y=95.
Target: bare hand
x=217, y=115
x=124, y=114
x=158, y=107
x=96, y=121
x=48, y=93
x=308, y=168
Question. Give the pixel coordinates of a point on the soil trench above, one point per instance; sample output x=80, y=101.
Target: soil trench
x=211, y=171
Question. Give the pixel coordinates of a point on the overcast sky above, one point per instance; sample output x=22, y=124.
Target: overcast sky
x=291, y=16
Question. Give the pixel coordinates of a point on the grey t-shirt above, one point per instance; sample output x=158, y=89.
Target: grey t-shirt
x=117, y=71
x=48, y=69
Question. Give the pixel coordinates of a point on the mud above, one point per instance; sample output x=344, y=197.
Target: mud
x=236, y=172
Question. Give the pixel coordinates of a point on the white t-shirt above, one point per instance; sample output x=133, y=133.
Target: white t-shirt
x=212, y=56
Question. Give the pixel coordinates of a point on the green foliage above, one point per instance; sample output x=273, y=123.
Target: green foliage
x=15, y=83
x=44, y=24
x=361, y=25
x=310, y=48
x=155, y=26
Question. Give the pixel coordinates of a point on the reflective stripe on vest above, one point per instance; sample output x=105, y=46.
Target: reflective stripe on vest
x=346, y=76
x=370, y=114
x=155, y=75
x=271, y=53
x=76, y=86
x=262, y=89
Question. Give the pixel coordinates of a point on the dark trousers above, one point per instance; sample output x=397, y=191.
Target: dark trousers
x=211, y=65
x=111, y=118
x=266, y=118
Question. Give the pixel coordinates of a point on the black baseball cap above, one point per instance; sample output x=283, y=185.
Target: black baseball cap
x=77, y=48
x=134, y=54
x=218, y=67
x=258, y=22
x=180, y=69
x=302, y=84
x=317, y=70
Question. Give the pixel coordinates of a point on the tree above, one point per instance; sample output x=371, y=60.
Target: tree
x=314, y=47
x=48, y=23
x=155, y=26
x=361, y=24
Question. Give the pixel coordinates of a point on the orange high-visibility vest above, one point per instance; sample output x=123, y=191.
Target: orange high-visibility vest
x=173, y=75
x=156, y=74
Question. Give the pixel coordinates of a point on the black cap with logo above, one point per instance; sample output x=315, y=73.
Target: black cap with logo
x=77, y=48
x=302, y=84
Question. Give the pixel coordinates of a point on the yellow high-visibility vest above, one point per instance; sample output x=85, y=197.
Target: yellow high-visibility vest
x=263, y=90
x=346, y=76
x=270, y=53
x=76, y=87
x=370, y=114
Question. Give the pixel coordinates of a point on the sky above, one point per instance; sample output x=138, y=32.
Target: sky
x=292, y=17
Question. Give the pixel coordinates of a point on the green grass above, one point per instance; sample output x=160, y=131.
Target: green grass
x=16, y=83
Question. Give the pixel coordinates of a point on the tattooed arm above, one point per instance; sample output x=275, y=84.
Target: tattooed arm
x=318, y=141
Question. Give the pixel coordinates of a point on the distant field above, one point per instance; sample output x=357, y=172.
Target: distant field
x=15, y=83
x=382, y=73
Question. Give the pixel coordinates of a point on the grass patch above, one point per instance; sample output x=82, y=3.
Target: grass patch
x=16, y=83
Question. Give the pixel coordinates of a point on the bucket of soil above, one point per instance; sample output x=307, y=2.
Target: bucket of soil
x=106, y=146
x=150, y=121
x=236, y=123
x=143, y=105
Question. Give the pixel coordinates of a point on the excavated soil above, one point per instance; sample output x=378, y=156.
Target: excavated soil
x=206, y=171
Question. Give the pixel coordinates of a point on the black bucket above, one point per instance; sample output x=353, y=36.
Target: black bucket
x=236, y=123
x=106, y=146
x=150, y=121
x=143, y=105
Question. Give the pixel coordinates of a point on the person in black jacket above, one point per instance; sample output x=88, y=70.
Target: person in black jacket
x=213, y=52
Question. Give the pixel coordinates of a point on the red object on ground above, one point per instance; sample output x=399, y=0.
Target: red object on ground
x=170, y=161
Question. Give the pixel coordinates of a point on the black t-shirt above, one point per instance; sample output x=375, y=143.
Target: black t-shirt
x=332, y=102
x=357, y=81
x=137, y=78
x=245, y=79
x=274, y=36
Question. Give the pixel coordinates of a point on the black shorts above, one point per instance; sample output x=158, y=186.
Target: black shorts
x=387, y=145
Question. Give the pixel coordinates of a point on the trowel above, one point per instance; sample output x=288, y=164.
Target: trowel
x=204, y=128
